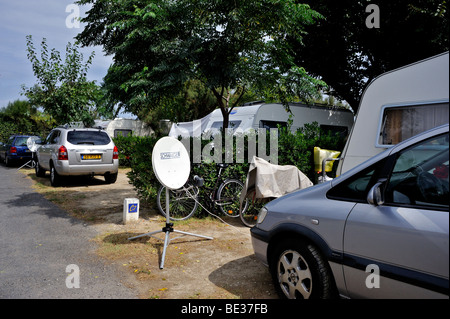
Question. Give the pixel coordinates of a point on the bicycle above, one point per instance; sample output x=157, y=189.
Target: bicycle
x=183, y=202
x=249, y=215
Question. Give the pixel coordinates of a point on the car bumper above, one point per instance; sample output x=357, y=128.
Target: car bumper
x=63, y=168
x=20, y=157
x=259, y=244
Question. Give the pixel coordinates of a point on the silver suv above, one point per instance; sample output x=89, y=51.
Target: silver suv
x=77, y=151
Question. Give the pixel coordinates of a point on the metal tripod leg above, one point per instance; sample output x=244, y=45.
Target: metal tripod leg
x=32, y=165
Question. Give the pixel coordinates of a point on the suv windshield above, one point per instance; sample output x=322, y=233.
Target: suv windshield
x=88, y=137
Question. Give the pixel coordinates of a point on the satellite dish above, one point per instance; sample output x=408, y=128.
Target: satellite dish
x=170, y=162
x=31, y=143
x=172, y=166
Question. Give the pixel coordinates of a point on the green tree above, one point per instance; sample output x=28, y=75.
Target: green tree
x=229, y=46
x=21, y=117
x=62, y=88
x=348, y=54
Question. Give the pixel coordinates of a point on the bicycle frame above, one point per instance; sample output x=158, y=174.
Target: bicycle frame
x=224, y=195
x=213, y=192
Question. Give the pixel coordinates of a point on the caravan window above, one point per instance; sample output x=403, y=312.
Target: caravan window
x=231, y=125
x=271, y=124
x=402, y=122
x=121, y=132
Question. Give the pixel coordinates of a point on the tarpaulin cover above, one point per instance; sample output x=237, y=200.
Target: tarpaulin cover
x=272, y=181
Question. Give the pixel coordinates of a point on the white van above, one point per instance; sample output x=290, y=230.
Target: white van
x=397, y=105
x=269, y=115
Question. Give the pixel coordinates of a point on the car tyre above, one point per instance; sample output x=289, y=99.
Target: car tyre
x=300, y=272
x=111, y=178
x=40, y=172
x=7, y=161
x=55, y=178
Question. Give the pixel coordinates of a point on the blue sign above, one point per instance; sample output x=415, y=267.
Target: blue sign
x=132, y=208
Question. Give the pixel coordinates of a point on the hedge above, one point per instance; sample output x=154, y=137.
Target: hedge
x=293, y=149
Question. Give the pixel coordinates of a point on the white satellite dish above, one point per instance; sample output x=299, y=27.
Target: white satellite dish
x=32, y=146
x=31, y=143
x=172, y=167
x=170, y=161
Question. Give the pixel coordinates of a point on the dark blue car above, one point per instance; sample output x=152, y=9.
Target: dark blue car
x=15, y=150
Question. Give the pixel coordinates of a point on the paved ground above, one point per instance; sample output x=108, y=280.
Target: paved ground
x=38, y=241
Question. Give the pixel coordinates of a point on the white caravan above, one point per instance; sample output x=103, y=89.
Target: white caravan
x=124, y=127
x=397, y=105
x=262, y=115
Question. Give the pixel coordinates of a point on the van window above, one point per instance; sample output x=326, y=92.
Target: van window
x=420, y=175
x=402, y=122
x=355, y=188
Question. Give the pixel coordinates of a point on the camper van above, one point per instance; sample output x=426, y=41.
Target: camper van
x=396, y=106
x=268, y=115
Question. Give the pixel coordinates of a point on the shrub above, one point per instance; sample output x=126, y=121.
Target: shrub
x=141, y=175
x=126, y=146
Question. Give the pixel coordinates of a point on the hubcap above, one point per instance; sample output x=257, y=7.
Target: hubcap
x=294, y=275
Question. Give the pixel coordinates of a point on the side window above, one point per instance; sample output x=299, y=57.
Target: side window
x=355, y=188
x=55, y=138
x=52, y=138
x=49, y=137
x=420, y=175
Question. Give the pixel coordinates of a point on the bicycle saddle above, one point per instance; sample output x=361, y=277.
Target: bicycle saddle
x=222, y=165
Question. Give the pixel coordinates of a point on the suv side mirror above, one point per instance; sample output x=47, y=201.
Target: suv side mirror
x=375, y=196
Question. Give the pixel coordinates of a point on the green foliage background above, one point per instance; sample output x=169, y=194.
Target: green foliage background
x=20, y=117
x=293, y=149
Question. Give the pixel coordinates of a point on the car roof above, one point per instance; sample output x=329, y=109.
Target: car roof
x=79, y=129
x=21, y=135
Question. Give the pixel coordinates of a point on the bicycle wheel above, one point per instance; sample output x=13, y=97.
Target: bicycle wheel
x=181, y=204
x=228, y=197
x=249, y=215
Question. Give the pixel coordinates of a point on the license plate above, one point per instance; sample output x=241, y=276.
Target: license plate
x=91, y=157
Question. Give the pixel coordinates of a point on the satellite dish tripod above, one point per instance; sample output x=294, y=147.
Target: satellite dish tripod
x=31, y=163
x=31, y=144
x=171, y=165
x=167, y=230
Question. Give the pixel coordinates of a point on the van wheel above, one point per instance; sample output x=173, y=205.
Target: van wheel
x=111, y=178
x=55, y=178
x=299, y=272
